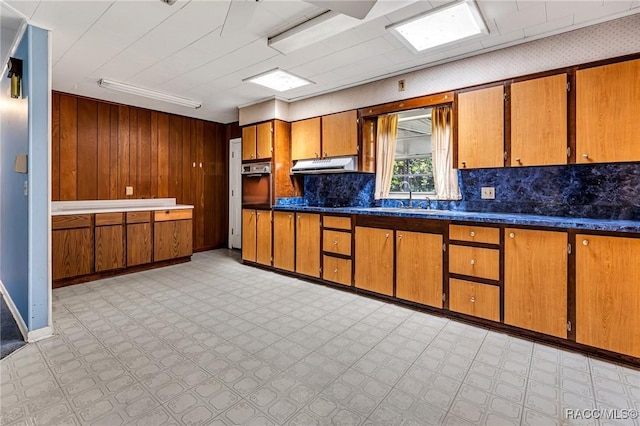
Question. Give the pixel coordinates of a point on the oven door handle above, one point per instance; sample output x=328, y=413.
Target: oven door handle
x=258, y=175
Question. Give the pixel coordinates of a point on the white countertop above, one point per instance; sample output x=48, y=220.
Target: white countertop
x=59, y=208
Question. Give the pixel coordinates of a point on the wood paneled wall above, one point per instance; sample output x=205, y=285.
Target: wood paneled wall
x=99, y=148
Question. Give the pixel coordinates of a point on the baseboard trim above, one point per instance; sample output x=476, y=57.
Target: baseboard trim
x=22, y=326
x=39, y=334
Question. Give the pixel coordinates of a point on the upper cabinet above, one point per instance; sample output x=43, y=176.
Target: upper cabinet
x=257, y=141
x=340, y=134
x=539, y=121
x=305, y=139
x=607, y=126
x=481, y=128
x=334, y=135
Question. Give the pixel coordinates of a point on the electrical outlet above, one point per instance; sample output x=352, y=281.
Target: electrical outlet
x=128, y=190
x=488, y=193
x=401, y=86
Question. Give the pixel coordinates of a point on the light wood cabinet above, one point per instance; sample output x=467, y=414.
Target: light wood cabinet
x=481, y=128
x=336, y=270
x=478, y=300
x=139, y=238
x=474, y=234
x=263, y=237
x=535, y=281
x=419, y=267
x=172, y=234
x=284, y=243
x=539, y=121
x=305, y=139
x=257, y=141
x=109, y=241
x=249, y=235
x=340, y=134
x=308, y=244
x=336, y=242
x=374, y=259
x=72, y=248
x=474, y=262
x=607, y=125
x=337, y=222
x=607, y=296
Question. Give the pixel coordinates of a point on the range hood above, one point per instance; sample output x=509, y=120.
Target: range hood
x=326, y=165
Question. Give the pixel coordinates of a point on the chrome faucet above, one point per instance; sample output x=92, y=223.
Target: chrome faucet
x=404, y=185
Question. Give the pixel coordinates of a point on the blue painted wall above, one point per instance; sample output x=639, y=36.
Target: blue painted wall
x=24, y=219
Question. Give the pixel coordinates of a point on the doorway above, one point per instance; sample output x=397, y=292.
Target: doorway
x=235, y=195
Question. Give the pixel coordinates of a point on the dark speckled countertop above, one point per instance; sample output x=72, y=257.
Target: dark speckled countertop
x=464, y=216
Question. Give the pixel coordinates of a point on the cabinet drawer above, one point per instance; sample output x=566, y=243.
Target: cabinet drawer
x=337, y=222
x=71, y=221
x=337, y=242
x=162, y=215
x=476, y=234
x=479, y=300
x=474, y=261
x=138, y=217
x=109, y=219
x=336, y=270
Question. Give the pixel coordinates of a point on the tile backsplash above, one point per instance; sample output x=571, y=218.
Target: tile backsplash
x=599, y=191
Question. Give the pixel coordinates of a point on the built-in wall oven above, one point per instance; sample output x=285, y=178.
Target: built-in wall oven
x=256, y=185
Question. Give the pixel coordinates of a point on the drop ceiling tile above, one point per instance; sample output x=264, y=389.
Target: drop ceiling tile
x=561, y=8
x=635, y=4
x=407, y=10
x=597, y=13
x=549, y=27
x=492, y=9
x=125, y=18
x=27, y=8
x=499, y=39
x=533, y=15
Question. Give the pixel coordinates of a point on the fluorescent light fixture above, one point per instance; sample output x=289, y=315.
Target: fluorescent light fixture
x=147, y=93
x=441, y=27
x=312, y=31
x=279, y=80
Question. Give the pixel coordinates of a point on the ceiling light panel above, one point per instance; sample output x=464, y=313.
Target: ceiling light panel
x=147, y=93
x=441, y=27
x=279, y=80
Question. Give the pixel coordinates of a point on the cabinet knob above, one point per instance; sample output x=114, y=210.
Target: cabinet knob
x=194, y=164
x=585, y=242
x=386, y=235
x=464, y=164
x=472, y=261
x=335, y=243
x=400, y=236
x=472, y=233
x=289, y=216
x=335, y=270
x=316, y=154
x=200, y=165
x=518, y=160
x=472, y=300
x=585, y=156
x=512, y=235
x=325, y=154
x=258, y=214
x=251, y=156
x=251, y=213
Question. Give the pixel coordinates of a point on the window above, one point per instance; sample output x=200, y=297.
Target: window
x=412, y=161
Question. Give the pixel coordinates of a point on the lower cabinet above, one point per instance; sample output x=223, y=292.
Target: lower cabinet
x=607, y=296
x=172, y=234
x=109, y=239
x=249, y=235
x=256, y=236
x=535, y=280
x=479, y=300
x=139, y=238
x=374, y=260
x=284, y=243
x=419, y=267
x=71, y=246
x=308, y=244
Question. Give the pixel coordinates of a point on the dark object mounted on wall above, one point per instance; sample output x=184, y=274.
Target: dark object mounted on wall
x=15, y=74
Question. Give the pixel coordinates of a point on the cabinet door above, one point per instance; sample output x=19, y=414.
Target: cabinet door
x=139, y=244
x=539, y=121
x=535, y=280
x=607, y=124
x=172, y=239
x=249, y=235
x=479, y=300
x=284, y=248
x=419, y=267
x=263, y=237
x=109, y=247
x=308, y=244
x=340, y=134
x=248, y=143
x=374, y=260
x=264, y=140
x=481, y=128
x=607, y=296
x=305, y=139
x=71, y=252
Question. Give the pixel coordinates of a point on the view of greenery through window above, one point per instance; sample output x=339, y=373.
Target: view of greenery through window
x=417, y=171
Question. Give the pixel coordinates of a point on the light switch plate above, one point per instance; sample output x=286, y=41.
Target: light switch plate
x=488, y=193
x=129, y=190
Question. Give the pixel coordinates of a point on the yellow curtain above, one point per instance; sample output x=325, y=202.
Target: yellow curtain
x=385, y=153
x=444, y=175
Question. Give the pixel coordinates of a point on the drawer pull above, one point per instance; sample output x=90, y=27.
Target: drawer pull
x=464, y=164
x=400, y=236
x=472, y=233
x=335, y=270
x=316, y=154
x=512, y=235
x=325, y=154
x=585, y=156
x=335, y=243
x=258, y=214
x=473, y=262
x=585, y=242
x=386, y=235
x=472, y=300
x=289, y=216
